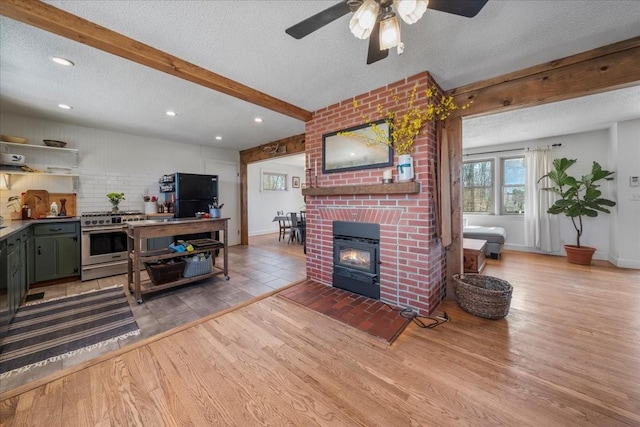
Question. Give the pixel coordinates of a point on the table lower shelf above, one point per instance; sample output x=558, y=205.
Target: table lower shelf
x=147, y=287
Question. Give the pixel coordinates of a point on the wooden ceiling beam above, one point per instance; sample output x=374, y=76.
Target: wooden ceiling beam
x=57, y=21
x=606, y=68
x=282, y=147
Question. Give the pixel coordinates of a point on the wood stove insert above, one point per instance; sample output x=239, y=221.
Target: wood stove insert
x=356, y=257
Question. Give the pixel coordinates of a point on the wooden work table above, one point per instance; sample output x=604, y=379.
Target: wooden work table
x=138, y=232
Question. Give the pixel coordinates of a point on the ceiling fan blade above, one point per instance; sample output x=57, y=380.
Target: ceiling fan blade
x=375, y=54
x=467, y=8
x=319, y=20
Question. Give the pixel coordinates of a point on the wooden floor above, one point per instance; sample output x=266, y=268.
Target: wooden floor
x=566, y=355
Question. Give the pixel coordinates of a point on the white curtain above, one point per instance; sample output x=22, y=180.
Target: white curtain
x=541, y=229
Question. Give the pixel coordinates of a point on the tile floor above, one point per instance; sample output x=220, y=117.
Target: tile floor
x=262, y=266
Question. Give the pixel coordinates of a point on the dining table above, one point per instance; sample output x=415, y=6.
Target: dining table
x=302, y=226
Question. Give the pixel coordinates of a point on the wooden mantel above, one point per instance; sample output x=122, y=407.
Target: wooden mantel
x=364, y=189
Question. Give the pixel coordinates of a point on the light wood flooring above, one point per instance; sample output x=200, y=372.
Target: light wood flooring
x=566, y=355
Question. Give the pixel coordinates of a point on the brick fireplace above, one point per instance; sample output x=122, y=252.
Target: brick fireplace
x=412, y=270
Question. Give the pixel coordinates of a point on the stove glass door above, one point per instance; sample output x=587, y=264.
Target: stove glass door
x=108, y=242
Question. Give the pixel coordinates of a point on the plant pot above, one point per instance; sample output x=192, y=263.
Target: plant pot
x=579, y=254
x=405, y=167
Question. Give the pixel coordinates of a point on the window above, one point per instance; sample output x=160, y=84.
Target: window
x=513, y=186
x=477, y=182
x=274, y=181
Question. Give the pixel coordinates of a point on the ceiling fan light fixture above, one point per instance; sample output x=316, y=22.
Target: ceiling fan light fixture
x=364, y=19
x=411, y=10
x=389, y=33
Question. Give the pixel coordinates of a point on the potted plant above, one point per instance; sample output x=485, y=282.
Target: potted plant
x=578, y=198
x=115, y=199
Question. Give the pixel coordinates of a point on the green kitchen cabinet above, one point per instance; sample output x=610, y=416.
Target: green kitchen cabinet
x=56, y=249
x=16, y=273
x=159, y=243
x=5, y=315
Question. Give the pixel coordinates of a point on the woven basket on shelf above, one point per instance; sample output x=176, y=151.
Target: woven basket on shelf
x=483, y=296
x=161, y=273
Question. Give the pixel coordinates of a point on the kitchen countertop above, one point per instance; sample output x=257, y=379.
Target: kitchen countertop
x=151, y=222
x=14, y=226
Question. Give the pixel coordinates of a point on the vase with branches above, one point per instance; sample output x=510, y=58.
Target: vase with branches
x=406, y=119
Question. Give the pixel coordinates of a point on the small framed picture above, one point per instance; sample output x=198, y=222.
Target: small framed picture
x=295, y=181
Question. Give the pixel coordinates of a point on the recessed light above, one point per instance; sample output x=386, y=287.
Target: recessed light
x=172, y=113
x=65, y=106
x=353, y=154
x=258, y=120
x=219, y=138
x=62, y=61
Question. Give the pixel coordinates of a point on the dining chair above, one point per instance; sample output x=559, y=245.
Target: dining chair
x=295, y=230
x=284, y=224
x=303, y=229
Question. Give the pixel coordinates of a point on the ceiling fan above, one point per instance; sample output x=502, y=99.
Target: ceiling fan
x=376, y=20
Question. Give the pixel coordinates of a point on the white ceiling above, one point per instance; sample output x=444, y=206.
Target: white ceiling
x=245, y=41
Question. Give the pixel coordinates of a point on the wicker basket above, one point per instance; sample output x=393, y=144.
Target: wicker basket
x=483, y=296
x=162, y=273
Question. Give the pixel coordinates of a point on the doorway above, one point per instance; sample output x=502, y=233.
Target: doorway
x=228, y=191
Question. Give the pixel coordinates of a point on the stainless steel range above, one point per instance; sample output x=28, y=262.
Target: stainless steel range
x=104, y=243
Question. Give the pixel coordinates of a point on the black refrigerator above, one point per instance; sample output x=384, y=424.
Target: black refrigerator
x=193, y=193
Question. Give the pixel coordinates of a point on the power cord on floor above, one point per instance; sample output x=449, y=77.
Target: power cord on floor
x=408, y=313
x=436, y=321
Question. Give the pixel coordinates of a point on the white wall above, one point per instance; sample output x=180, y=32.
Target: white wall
x=109, y=162
x=626, y=218
x=263, y=205
x=617, y=236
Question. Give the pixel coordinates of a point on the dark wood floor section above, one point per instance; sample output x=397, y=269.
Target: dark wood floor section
x=363, y=313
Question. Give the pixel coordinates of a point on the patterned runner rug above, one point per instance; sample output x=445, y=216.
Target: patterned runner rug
x=47, y=331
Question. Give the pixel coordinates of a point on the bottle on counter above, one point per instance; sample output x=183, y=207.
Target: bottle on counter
x=26, y=212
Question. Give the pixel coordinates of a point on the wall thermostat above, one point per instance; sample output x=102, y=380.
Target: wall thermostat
x=634, y=181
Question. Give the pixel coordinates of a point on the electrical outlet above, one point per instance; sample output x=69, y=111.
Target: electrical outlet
x=635, y=197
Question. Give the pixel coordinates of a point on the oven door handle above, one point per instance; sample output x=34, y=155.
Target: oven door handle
x=102, y=230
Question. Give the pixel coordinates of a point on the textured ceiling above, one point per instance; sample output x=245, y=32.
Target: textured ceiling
x=245, y=41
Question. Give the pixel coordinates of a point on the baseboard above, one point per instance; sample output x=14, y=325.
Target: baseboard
x=262, y=232
x=625, y=263
x=523, y=248
x=601, y=256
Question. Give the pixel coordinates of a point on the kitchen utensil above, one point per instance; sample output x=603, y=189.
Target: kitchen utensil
x=54, y=143
x=14, y=139
x=12, y=159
